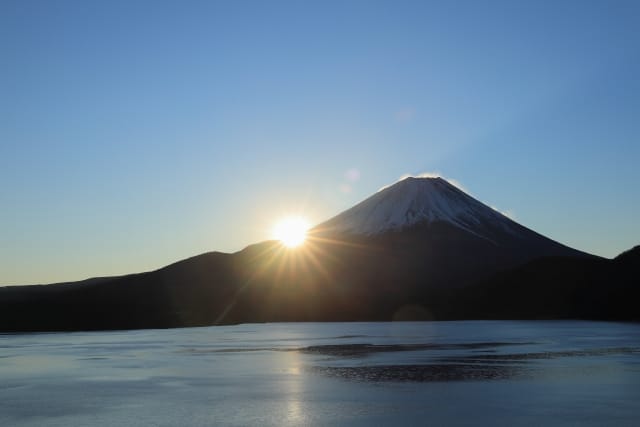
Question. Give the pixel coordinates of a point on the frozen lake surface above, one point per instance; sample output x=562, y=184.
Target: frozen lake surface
x=505, y=373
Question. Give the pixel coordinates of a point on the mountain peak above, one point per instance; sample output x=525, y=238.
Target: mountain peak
x=412, y=201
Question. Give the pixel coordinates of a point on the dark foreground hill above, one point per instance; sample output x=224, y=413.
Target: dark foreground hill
x=267, y=283
x=560, y=287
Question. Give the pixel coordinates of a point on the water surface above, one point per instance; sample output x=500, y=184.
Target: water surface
x=355, y=374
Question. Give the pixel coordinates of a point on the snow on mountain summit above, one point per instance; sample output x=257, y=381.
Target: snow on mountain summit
x=413, y=201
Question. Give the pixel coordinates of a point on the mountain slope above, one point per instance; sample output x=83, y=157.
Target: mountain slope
x=559, y=287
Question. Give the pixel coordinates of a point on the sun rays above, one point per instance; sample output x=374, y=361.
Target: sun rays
x=287, y=272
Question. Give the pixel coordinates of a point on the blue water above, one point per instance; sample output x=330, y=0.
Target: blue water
x=504, y=373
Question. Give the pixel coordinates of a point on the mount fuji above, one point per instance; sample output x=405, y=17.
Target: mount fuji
x=417, y=200
x=438, y=235
x=415, y=203
x=418, y=249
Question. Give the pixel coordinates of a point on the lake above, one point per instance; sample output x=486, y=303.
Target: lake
x=505, y=373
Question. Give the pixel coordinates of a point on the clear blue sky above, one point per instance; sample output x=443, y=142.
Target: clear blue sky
x=137, y=133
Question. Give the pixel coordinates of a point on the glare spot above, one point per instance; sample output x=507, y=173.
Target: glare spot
x=291, y=231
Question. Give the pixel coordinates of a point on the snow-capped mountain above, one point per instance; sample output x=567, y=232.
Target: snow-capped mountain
x=439, y=233
x=417, y=201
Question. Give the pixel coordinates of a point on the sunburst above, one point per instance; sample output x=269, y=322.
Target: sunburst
x=291, y=231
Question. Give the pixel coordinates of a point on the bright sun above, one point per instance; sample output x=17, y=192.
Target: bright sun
x=291, y=231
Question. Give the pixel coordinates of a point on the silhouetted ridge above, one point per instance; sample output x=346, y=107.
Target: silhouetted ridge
x=417, y=250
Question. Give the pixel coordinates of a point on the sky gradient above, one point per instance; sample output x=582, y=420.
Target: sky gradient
x=138, y=133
